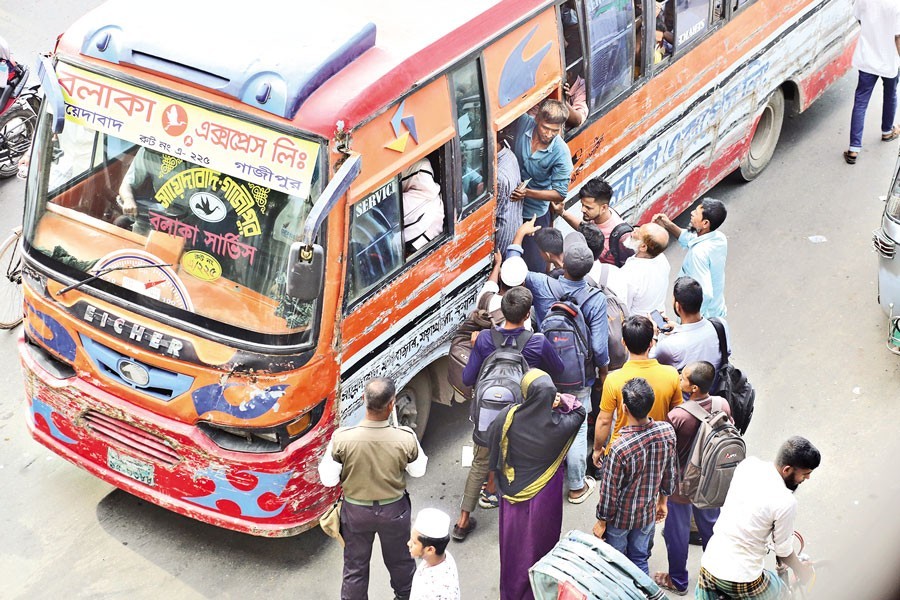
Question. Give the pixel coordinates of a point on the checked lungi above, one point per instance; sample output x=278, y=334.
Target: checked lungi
x=768, y=586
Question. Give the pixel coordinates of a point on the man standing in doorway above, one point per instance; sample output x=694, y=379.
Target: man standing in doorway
x=877, y=55
x=595, y=196
x=546, y=166
x=707, y=249
x=371, y=461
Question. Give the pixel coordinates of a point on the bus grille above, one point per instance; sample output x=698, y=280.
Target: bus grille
x=883, y=244
x=134, y=439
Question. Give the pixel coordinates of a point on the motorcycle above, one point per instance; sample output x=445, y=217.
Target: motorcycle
x=19, y=108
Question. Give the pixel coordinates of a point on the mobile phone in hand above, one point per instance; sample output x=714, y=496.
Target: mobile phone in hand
x=661, y=323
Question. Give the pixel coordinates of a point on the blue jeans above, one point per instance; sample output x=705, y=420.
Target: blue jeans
x=576, y=459
x=633, y=543
x=677, y=535
x=864, y=89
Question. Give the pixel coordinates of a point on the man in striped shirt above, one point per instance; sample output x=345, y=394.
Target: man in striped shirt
x=636, y=477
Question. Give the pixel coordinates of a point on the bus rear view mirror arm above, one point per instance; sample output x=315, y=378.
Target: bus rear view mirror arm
x=53, y=96
x=307, y=260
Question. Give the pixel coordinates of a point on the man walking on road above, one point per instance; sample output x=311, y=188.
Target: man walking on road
x=707, y=249
x=760, y=506
x=877, y=55
x=370, y=461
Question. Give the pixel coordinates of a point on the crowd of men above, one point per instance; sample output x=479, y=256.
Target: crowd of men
x=645, y=366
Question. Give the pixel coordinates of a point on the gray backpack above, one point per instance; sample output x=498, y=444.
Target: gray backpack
x=616, y=313
x=715, y=453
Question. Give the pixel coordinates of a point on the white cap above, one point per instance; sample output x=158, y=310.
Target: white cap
x=432, y=523
x=513, y=271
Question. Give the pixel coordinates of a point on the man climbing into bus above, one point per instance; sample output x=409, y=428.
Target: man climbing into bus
x=546, y=166
x=707, y=249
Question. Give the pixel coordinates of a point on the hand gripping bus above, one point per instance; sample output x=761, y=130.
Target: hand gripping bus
x=232, y=242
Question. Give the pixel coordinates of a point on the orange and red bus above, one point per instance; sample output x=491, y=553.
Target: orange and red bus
x=215, y=262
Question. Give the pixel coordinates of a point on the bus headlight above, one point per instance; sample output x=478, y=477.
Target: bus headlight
x=260, y=440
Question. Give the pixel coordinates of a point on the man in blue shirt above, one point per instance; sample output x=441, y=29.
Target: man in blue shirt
x=707, y=248
x=577, y=263
x=546, y=165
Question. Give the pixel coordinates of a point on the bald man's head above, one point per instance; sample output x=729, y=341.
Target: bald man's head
x=655, y=237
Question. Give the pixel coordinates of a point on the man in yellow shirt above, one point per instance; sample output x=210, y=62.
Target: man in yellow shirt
x=638, y=336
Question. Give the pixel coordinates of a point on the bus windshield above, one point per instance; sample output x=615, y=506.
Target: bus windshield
x=169, y=234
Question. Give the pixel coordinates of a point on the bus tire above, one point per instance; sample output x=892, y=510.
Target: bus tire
x=414, y=404
x=17, y=131
x=765, y=137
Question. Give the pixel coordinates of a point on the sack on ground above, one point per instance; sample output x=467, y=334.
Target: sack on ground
x=461, y=345
x=499, y=382
x=733, y=385
x=567, y=331
x=716, y=451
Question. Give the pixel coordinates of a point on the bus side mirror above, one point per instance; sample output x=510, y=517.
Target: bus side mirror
x=306, y=267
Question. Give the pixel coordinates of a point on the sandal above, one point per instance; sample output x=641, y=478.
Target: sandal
x=589, y=484
x=665, y=582
x=850, y=157
x=893, y=135
x=488, y=500
x=459, y=533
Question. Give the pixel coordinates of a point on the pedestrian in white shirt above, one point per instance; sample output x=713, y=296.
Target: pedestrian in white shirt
x=436, y=577
x=647, y=272
x=877, y=55
x=760, y=508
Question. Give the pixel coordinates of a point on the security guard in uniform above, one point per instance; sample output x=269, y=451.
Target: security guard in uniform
x=369, y=461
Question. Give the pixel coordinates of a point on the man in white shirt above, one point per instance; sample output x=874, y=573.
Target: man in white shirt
x=695, y=338
x=647, y=272
x=877, y=55
x=760, y=507
x=436, y=576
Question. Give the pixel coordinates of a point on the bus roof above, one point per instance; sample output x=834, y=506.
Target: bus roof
x=339, y=60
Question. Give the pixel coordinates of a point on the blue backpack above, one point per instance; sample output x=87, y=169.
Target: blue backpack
x=566, y=329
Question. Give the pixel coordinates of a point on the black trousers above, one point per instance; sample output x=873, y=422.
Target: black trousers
x=392, y=523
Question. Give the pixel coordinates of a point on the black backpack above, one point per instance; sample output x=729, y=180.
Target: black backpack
x=733, y=385
x=499, y=382
x=619, y=252
x=616, y=313
x=568, y=332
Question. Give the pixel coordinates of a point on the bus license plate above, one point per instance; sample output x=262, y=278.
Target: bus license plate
x=130, y=467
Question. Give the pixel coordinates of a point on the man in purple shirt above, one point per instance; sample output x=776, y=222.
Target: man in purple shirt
x=538, y=353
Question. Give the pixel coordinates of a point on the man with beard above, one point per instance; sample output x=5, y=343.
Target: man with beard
x=760, y=505
x=546, y=165
x=595, y=197
x=707, y=249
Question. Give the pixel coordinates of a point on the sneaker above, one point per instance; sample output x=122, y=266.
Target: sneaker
x=488, y=500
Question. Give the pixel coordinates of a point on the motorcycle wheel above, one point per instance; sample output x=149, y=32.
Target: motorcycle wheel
x=16, y=133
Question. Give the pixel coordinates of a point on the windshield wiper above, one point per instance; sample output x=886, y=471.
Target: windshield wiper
x=103, y=272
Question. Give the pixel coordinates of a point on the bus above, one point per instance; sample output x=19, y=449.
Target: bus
x=213, y=238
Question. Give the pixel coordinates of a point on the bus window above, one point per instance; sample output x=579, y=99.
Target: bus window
x=739, y=4
x=665, y=32
x=692, y=20
x=376, y=243
x=610, y=29
x=575, y=90
x=470, y=126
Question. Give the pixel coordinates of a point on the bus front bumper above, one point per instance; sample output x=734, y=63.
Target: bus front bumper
x=173, y=464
